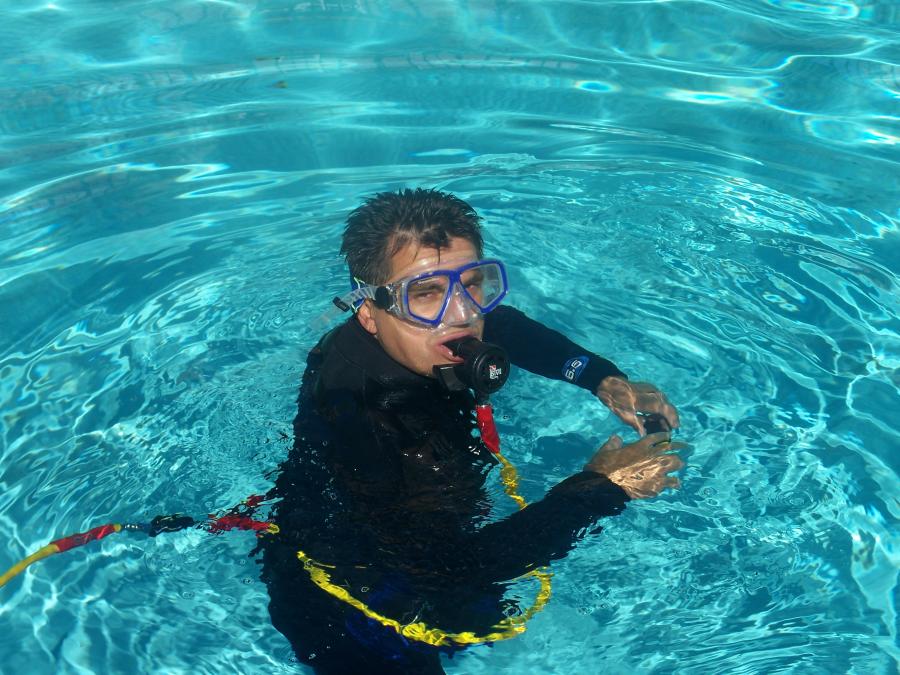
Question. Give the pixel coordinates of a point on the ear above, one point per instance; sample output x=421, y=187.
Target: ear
x=365, y=316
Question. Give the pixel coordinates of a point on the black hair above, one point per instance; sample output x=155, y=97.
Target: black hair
x=389, y=221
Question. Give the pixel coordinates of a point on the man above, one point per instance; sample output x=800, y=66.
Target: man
x=384, y=514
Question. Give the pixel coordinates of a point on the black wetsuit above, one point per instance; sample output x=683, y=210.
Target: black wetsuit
x=386, y=483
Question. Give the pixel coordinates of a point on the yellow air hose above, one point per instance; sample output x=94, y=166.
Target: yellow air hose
x=418, y=631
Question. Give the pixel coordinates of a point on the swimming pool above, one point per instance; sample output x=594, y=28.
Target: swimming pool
x=706, y=192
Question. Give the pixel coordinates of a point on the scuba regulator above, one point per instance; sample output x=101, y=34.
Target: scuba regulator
x=654, y=423
x=484, y=370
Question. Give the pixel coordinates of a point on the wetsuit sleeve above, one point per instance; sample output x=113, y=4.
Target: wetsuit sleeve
x=543, y=531
x=544, y=351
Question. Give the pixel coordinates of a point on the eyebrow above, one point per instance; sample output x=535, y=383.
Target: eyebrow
x=428, y=284
x=477, y=275
x=436, y=271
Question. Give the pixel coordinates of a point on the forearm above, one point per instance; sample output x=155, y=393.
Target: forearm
x=543, y=531
x=546, y=352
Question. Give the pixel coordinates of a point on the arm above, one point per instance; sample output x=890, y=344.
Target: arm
x=543, y=351
x=548, y=529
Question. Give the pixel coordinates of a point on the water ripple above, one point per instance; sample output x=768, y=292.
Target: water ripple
x=705, y=192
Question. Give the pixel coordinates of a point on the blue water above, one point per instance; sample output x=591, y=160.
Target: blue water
x=706, y=192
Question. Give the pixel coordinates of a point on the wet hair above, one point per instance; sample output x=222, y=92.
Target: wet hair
x=387, y=222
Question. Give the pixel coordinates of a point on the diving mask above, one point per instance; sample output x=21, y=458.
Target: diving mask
x=426, y=298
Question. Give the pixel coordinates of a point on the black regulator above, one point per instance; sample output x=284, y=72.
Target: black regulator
x=654, y=423
x=484, y=369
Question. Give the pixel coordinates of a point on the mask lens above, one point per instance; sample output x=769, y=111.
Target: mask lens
x=484, y=284
x=428, y=297
x=425, y=297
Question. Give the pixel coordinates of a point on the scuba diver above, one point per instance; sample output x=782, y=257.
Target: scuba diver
x=389, y=551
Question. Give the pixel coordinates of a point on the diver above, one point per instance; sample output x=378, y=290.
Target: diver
x=388, y=551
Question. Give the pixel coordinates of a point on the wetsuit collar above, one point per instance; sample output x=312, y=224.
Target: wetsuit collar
x=362, y=349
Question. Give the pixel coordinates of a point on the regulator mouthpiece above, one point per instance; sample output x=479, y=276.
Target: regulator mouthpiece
x=484, y=369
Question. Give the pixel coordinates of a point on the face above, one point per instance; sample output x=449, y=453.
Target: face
x=417, y=347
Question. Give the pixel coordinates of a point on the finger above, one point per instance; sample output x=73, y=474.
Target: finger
x=666, y=464
x=671, y=415
x=652, y=400
x=675, y=446
x=674, y=463
x=614, y=442
x=630, y=418
x=658, y=441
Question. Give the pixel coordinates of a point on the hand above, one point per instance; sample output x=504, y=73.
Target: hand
x=627, y=399
x=639, y=468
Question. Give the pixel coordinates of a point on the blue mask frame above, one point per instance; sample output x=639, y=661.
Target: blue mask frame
x=392, y=297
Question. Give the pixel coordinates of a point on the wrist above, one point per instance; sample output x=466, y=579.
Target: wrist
x=597, y=370
x=610, y=382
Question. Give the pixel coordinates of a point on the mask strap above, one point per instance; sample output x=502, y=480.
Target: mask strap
x=357, y=284
x=345, y=303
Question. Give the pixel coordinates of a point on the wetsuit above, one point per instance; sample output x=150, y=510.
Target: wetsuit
x=386, y=482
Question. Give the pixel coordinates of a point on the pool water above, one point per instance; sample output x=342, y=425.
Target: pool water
x=706, y=192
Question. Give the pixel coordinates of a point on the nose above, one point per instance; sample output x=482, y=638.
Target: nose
x=460, y=309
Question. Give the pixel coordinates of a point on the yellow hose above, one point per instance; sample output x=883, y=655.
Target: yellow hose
x=20, y=566
x=504, y=630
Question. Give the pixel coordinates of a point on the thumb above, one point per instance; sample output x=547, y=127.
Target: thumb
x=630, y=418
